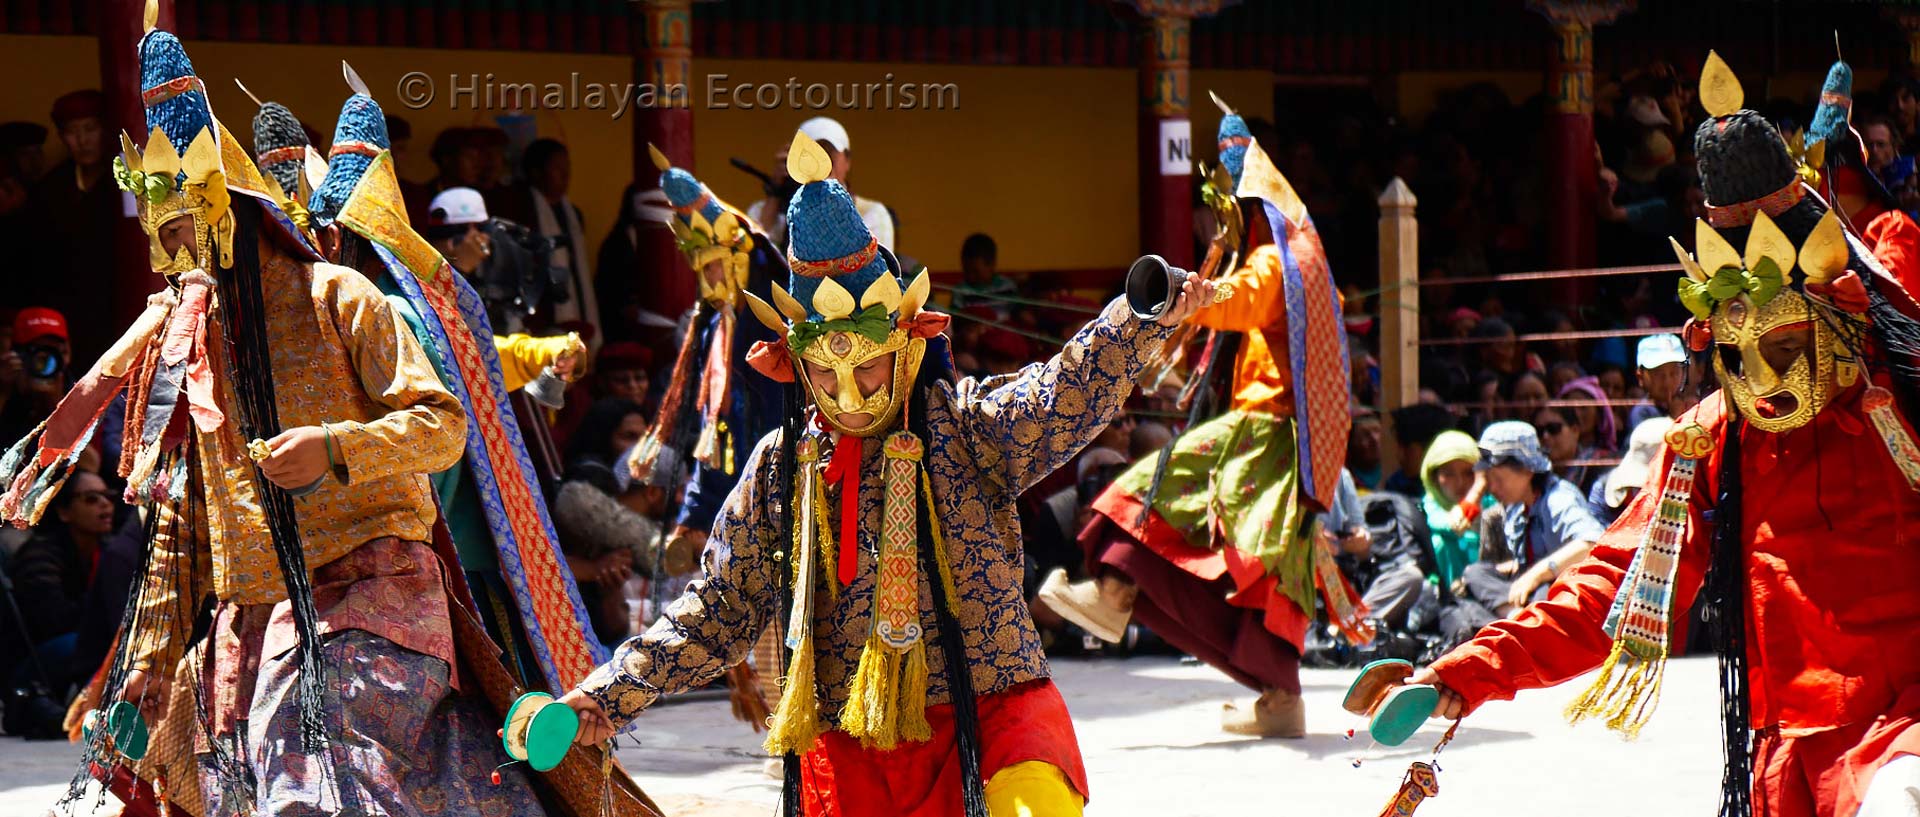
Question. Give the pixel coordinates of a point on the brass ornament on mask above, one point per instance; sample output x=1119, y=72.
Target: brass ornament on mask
x=1746, y=297
x=168, y=186
x=848, y=335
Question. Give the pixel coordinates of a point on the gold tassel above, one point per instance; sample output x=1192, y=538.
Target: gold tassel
x=913, y=696
x=795, y=725
x=1625, y=693
x=940, y=551
x=872, y=709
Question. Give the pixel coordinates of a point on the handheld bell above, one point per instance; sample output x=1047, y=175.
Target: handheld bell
x=1151, y=285
x=539, y=730
x=1394, y=709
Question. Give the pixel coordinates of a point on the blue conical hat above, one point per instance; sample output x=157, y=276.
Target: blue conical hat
x=1836, y=104
x=685, y=192
x=1233, y=140
x=175, y=99
x=360, y=135
x=828, y=239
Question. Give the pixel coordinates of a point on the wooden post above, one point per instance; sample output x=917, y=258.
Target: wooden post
x=662, y=59
x=1399, y=310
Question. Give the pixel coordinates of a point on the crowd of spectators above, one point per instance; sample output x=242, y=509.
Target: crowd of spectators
x=1527, y=438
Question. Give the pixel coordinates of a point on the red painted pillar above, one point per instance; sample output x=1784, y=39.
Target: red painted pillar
x=1166, y=139
x=1573, y=177
x=120, y=25
x=662, y=59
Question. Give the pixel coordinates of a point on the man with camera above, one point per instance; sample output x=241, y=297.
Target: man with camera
x=33, y=371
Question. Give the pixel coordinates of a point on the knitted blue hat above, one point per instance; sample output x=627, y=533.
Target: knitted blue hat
x=176, y=101
x=1836, y=102
x=1234, y=138
x=824, y=227
x=360, y=135
x=827, y=236
x=686, y=193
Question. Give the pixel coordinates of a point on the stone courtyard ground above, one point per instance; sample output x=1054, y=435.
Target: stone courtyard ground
x=1149, y=729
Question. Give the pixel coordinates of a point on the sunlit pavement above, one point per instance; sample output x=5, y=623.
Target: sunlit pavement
x=1149, y=729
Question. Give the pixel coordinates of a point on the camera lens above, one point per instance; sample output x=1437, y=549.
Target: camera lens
x=41, y=362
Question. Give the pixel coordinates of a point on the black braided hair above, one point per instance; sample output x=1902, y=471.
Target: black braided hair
x=259, y=418
x=1726, y=613
x=793, y=424
x=966, y=719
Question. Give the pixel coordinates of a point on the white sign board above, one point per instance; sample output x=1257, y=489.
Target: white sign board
x=1176, y=147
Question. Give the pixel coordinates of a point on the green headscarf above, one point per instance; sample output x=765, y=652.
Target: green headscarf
x=1449, y=446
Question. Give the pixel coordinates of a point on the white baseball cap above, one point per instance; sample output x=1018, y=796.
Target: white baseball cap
x=826, y=129
x=457, y=205
x=1658, y=350
x=1643, y=448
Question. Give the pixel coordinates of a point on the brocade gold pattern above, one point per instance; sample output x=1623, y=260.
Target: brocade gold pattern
x=989, y=440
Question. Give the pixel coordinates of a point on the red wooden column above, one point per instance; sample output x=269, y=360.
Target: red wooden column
x=662, y=57
x=1573, y=178
x=1166, y=135
x=119, y=25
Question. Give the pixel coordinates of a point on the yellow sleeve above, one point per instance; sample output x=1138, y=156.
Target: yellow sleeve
x=1256, y=302
x=522, y=357
x=424, y=429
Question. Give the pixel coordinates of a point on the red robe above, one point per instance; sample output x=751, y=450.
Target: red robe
x=1832, y=534
x=1895, y=240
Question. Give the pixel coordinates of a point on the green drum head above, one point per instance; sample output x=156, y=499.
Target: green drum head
x=1373, y=681
x=550, y=735
x=128, y=730
x=519, y=717
x=1402, y=713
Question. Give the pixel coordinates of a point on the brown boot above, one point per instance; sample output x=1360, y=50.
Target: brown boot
x=1275, y=714
x=1090, y=605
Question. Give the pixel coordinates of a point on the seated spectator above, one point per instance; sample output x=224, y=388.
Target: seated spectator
x=620, y=371
x=1559, y=350
x=1109, y=447
x=1501, y=352
x=1598, y=433
x=1384, y=554
x=1613, y=383
x=1003, y=352
x=1547, y=523
x=1524, y=393
x=71, y=581
x=33, y=371
x=1662, y=371
x=981, y=284
x=1560, y=437
x=1452, y=503
x=1363, y=450
x=1414, y=427
x=1609, y=496
x=1562, y=373
x=1147, y=439
x=608, y=525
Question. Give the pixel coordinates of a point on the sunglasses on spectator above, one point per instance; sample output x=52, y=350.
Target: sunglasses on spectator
x=1552, y=428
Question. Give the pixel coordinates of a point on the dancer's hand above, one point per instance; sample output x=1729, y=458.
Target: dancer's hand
x=595, y=729
x=1194, y=294
x=148, y=692
x=1450, y=706
x=297, y=457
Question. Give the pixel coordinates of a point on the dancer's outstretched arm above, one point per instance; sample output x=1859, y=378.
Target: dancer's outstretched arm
x=1561, y=637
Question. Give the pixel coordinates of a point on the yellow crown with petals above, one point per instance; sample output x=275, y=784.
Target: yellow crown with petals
x=168, y=185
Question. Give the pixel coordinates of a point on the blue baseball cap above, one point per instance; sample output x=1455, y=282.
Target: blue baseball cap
x=1515, y=442
x=1660, y=350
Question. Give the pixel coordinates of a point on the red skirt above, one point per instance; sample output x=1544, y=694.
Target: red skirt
x=1028, y=722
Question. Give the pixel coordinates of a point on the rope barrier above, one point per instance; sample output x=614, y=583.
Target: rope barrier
x=1550, y=275
x=1587, y=334
x=1011, y=328
x=1016, y=300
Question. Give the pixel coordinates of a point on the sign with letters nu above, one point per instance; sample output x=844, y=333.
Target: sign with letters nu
x=1176, y=147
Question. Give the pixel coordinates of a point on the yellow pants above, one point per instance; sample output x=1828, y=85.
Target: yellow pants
x=1032, y=789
